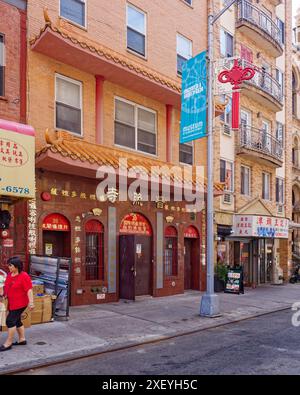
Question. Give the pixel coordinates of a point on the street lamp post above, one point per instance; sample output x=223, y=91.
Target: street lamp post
x=210, y=301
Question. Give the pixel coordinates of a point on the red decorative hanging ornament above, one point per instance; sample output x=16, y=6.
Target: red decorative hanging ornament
x=4, y=234
x=236, y=76
x=46, y=197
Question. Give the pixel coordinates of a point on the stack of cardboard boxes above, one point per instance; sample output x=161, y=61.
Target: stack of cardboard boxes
x=42, y=311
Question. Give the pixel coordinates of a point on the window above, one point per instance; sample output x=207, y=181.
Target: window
x=2, y=67
x=245, y=181
x=280, y=132
x=280, y=79
x=266, y=186
x=281, y=26
x=186, y=153
x=279, y=190
x=226, y=44
x=226, y=175
x=188, y=1
x=294, y=94
x=184, y=51
x=68, y=104
x=94, y=251
x=135, y=127
x=136, y=30
x=226, y=116
x=171, y=255
x=74, y=10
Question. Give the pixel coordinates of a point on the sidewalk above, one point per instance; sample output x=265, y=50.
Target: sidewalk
x=95, y=329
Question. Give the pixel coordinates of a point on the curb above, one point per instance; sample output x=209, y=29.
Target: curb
x=86, y=353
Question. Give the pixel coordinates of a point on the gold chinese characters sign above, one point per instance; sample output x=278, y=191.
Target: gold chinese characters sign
x=17, y=154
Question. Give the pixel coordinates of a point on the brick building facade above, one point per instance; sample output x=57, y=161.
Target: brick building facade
x=104, y=84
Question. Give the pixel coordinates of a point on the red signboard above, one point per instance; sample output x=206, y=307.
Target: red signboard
x=191, y=233
x=56, y=222
x=135, y=224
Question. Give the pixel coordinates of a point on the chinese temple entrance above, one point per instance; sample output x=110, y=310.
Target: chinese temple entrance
x=56, y=236
x=191, y=258
x=135, y=257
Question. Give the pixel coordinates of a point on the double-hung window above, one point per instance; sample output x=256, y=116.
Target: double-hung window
x=279, y=190
x=68, y=94
x=226, y=175
x=135, y=127
x=266, y=186
x=136, y=30
x=226, y=44
x=280, y=132
x=74, y=10
x=2, y=65
x=245, y=180
x=281, y=26
x=184, y=51
x=186, y=153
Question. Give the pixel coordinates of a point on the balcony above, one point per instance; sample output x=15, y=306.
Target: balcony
x=263, y=88
x=256, y=144
x=260, y=27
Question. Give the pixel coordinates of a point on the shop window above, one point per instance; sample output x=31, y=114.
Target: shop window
x=94, y=253
x=136, y=30
x=184, y=51
x=171, y=252
x=186, y=153
x=135, y=127
x=68, y=104
x=74, y=10
x=2, y=63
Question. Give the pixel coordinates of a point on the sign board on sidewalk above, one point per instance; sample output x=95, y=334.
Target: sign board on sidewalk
x=194, y=99
x=234, y=282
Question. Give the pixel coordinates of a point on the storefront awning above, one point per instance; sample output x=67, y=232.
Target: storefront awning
x=17, y=154
x=67, y=154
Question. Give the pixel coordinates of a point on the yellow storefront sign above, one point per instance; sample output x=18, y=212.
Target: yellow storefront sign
x=17, y=159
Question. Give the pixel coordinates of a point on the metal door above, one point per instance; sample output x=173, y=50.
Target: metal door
x=127, y=267
x=143, y=264
x=188, y=263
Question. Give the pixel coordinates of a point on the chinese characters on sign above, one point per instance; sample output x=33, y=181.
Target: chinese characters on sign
x=32, y=227
x=135, y=224
x=260, y=226
x=56, y=222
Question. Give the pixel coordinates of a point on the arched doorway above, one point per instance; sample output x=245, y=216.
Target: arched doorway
x=56, y=236
x=135, y=256
x=191, y=258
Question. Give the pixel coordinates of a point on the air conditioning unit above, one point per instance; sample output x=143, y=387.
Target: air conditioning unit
x=227, y=198
x=227, y=130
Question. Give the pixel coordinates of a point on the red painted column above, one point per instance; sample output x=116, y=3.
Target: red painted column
x=23, y=66
x=169, y=114
x=99, y=108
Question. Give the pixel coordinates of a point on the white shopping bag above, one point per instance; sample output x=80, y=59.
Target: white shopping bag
x=2, y=314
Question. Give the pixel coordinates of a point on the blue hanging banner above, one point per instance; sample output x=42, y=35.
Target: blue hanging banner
x=194, y=99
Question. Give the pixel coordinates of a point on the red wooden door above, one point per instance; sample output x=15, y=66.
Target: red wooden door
x=188, y=264
x=143, y=259
x=127, y=267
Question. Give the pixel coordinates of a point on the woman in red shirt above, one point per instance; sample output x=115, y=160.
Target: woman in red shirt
x=18, y=291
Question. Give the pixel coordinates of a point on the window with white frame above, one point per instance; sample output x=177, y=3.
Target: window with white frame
x=226, y=175
x=226, y=116
x=184, y=51
x=280, y=132
x=280, y=79
x=136, y=30
x=186, y=153
x=266, y=186
x=281, y=26
x=2, y=66
x=135, y=127
x=279, y=190
x=68, y=97
x=245, y=180
x=74, y=10
x=226, y=44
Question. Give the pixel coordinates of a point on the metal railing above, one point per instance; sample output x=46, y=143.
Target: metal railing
x=260, y=141
x=264, y=81
x=259, y=18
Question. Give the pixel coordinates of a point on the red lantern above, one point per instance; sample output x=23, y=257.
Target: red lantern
x=46, y=196
x=5, y=234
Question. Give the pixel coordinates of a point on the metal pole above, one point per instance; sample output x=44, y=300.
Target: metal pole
x=210, y=301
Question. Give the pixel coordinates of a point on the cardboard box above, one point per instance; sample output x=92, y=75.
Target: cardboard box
x=26, y=318
x=42, y=311
x=38, y=289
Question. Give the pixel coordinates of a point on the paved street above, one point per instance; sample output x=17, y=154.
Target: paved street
x=264, y=345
